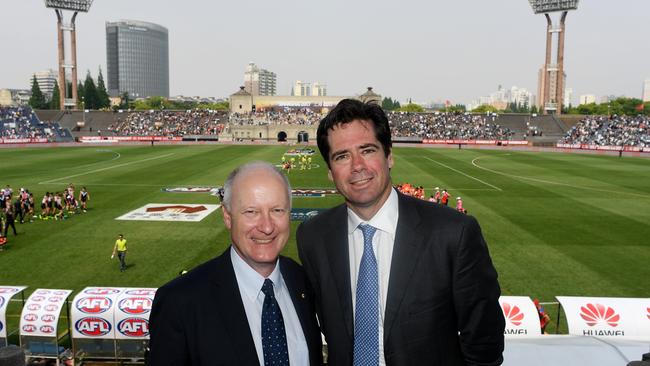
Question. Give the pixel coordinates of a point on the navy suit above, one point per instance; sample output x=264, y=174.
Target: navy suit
x=442, y=304
x=199, y=319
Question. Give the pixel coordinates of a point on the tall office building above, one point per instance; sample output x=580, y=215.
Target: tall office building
x=259, y=81
x=46, y=80
x=137, y=59
x=646, y=90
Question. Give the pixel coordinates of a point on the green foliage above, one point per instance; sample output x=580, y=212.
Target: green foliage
x=533, y=109
x=619, y=106
x=55, y=102
x=37, y=100
x=91, y=99
x=484, y=108
x=389, y=104
x=411, y=107
x=102, y=94
x=221, y=106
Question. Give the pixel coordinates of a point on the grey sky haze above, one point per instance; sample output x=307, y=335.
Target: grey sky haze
x=424, y=50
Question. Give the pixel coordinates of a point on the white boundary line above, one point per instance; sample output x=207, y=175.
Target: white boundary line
x=107, y=168
x=551, y=182
x=465, y=174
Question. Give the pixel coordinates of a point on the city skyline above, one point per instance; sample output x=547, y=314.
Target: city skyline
x=424, y=51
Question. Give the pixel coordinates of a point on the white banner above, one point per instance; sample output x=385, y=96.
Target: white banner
x=521, y=316
x=607, y=316
x=92, y=313
x=170, y=212
x=40, y=315
x=6, y=293
x=132, y=313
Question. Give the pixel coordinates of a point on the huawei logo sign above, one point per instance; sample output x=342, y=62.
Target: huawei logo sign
x=512, y=313
x=598, y=313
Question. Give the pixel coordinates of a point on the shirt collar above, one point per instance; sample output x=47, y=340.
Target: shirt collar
x=250, y=282
x=385, y=219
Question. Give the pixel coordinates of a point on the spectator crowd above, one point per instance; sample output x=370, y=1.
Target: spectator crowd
x=22, y=123
x=170, y=123
x=610, y=131
x=447, y=126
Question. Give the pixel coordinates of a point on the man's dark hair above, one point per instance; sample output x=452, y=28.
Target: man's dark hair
x=347, y=111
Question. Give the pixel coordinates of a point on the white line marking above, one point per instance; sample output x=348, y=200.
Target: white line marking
x=551, y=182
x=467, y=175
x=107, y=168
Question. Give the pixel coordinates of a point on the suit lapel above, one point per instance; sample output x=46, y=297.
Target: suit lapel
x=406, y=252
x=337, y=247
x=298, y=295
x=229, y=306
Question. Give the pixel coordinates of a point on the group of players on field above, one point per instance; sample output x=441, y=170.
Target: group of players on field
x=440, y=197
x=21, y=206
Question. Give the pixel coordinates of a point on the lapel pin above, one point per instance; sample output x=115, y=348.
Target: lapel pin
x=302, y=294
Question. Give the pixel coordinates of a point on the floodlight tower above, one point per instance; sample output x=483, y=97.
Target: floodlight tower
x=552, y=78
x=68, y=101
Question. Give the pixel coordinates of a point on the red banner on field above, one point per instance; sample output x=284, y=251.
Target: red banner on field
x=475, y=142
x=127, y=138
x=23, y=141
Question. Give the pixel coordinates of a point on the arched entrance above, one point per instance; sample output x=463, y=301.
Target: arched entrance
x=282, y=136
x=303, y=136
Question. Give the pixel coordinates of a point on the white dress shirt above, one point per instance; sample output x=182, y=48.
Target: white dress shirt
x=250, y=288
x=385, y=221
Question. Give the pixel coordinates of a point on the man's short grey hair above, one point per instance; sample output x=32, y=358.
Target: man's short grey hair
x=228, y=185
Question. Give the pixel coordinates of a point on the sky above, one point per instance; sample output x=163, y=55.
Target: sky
x=424, y=50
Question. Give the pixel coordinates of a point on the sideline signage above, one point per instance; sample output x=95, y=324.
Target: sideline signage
x=521, y=316
x=92, y=313
x=41, y=313
x=6, y=293
x=607, y=316
x=170, y=212
x=132, y=313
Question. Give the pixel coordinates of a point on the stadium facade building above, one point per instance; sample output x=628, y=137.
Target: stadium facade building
x=646, y=90
x=46, y=80
x=587, y=99
x=243, y=102
x=259, y=81
x=137, y=59
x=304, y=89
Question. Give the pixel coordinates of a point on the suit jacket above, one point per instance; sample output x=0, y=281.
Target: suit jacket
x=442, y=304
x=199, y=318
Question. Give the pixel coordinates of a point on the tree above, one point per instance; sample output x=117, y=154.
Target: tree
x=102, y=95
x=411, y=107
x=484, y=108
x=533, y=109
x=37, y=100
x=80, y=93
x=55, y=102
x=389, y=104
x=91, y=101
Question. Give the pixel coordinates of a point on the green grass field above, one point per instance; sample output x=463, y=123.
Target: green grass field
x=556, y=224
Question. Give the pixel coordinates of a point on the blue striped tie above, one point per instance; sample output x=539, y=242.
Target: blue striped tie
x=366, y=321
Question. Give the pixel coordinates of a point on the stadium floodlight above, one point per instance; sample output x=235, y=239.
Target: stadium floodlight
x=549, y=6
x=72, y=5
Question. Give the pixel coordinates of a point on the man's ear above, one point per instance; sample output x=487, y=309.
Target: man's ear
x=227, y=218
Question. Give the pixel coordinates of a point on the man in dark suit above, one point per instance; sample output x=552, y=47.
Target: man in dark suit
x=397, y=280
x=248, y=306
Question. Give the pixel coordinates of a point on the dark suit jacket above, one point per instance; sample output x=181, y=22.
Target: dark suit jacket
x=442, y=303
x=199, y=318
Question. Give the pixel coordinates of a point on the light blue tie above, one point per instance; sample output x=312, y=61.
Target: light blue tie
x=366, y=321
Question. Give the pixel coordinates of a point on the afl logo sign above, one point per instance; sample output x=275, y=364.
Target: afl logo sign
x=51, y=307
x=141, y=292
x=94, y=305
x=92, y=327
x=101, y=291
x=29, y=328
x=7, y=290
x=135, y=305
x=134, y=327
x=48, y=318
x=30, y=317
x=47, y=329
x=2, y=301
x=38, y=298
x=34, y=307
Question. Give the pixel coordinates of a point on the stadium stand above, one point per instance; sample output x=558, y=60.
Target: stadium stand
x=23, y=123
x=448, y=126
x=610, y=131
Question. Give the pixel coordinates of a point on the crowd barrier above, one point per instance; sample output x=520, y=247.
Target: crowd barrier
x=23, y=141
x=476, y=142
x=95, y=139
x=113, y=322
x=602, y=148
